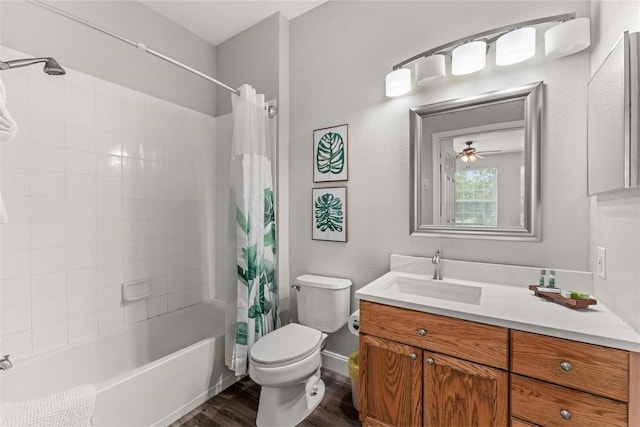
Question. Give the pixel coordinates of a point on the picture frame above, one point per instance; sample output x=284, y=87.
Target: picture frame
x=331, y=154
x=329, y=214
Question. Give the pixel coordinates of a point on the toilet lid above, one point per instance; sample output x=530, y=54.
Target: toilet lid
x=290, y=342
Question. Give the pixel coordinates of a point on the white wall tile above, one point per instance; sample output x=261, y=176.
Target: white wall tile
x=134, y=270
x=193, y=295
x=107, y=165
x=47, y=312
x=18, y=345
x=80, y=138
x=18, y=208
x=15, y=264
x=48, y=235
x=110, y=320
x=43, y=87
x=135, y=251
x=17, y=84
x=80, y=99
x=135, y=230
x=109, y=275
x=135, y=189
x=46, y=131
x=79, y=185
x=158, y=286
x=81, y=257
x=135, y=311
x=16, y=318
x=15, y=182
x=81, y=233
x=110, y=253
x=176, y=281
x=81, y=162
x=108, y=143
x=157, y=306
x=84, y=280
x=176, y=300
x=134, y=147
x=109, y=188
x=83, y=327
x=14, y=237
x=48, y=209
x=47, y=184
x=15, y=155
x=48, y=286
x=133, y=168
x=110, y=231
x=110, y=209
x=81, y=210
x=46, y=158
x=133, y=119
x=109, y=297
x=49, y=337
x=135, y=210
x=157, y=267
x=108, y=107
x=15, y=291
x=82, y=304
x=50, y=260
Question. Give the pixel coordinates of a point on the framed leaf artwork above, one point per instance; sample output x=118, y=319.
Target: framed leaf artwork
x=330, y=154
x=329, y=210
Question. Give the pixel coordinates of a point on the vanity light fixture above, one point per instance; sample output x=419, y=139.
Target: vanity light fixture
x=514, y=43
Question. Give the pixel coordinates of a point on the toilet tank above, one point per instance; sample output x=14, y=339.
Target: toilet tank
x=323, y=302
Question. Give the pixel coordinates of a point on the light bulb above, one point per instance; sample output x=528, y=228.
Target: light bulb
x=398, y=82
x=468, y=58
x=430, y=69
x=516, y=46
x=567, y=38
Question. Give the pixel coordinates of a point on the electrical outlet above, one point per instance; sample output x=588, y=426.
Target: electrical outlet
x=601, y=262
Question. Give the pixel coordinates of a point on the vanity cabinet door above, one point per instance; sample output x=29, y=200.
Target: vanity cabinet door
x=390, y=383
x=461, y=393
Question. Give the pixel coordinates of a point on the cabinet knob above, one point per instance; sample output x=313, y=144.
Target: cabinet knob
x=430, y=361
x=413, y=356
x=566, y=366
x=422, y=332
x=565, y=414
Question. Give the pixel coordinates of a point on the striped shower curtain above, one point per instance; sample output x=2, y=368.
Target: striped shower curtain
x=256, y=300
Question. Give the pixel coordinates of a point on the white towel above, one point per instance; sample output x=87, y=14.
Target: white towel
x=70, y=408
x=8, y=126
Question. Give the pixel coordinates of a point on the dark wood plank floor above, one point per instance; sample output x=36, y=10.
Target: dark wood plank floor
x=237, y=406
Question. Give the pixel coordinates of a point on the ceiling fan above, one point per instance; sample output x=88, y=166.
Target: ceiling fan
x=469, y=154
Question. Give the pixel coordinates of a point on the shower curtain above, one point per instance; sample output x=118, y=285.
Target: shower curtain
x=256, y=297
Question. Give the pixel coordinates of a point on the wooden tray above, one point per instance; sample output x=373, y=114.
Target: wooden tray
x=568, y=302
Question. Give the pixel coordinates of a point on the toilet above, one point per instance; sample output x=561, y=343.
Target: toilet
x=286, y=362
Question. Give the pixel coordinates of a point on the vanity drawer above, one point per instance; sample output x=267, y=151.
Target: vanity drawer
x=467, y=340
x=551, y=405
x=587, y=367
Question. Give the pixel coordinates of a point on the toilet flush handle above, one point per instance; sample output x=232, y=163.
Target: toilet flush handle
x=296, y=287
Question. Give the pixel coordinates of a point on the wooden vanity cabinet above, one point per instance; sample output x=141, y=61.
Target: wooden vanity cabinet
x=422, y=369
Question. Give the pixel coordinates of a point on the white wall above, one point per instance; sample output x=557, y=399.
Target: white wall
x=39, y=32
x=103, y=185
x=615, y=220
x=340, y=53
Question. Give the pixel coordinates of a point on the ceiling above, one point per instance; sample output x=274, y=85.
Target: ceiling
x=216, y=21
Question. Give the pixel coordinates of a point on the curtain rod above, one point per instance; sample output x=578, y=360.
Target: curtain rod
x=138, y=45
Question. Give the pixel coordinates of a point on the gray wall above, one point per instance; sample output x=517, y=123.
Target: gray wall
x=39, y=32
x=615, y=220
x=251, y=56
x=340, y=53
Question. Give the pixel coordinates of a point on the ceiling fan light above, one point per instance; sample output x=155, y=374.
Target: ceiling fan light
x=430, y=69
x=468, y=58
x=398, y=82
x=567, y=38
x=473, y=157
x=516, y=46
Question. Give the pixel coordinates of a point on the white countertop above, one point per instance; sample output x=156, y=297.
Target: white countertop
x=514, y=307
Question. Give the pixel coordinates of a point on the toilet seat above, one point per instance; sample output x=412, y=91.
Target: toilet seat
x=288, y=344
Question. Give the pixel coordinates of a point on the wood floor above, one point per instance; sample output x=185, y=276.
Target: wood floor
x=237, y=406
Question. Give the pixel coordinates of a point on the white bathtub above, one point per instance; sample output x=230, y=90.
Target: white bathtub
x=147, y=374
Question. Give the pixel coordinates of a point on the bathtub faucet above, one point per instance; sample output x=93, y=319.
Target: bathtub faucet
x=5, y=363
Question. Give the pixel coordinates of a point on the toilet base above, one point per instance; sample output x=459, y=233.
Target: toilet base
x=287, y=406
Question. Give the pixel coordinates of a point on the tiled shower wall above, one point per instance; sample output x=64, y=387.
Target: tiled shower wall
x=103, y=185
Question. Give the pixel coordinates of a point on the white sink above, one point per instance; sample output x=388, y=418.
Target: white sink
x=405, y=286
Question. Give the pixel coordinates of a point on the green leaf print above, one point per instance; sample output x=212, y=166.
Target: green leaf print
x=330, y=153
x=269, y=213
x=241, y=333
x=254, y=311
x=242, y=221
x=249, y=254
x=329, y=214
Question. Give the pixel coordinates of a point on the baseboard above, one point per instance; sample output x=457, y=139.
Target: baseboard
x=335, y=362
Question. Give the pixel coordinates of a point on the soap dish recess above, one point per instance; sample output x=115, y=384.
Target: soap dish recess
x=137, y=290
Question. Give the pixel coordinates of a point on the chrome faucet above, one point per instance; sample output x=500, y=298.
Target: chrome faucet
x=437, y=265
x=5, y=363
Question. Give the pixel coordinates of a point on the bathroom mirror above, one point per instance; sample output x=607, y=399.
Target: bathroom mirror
x=612, y=148
x=475, y=166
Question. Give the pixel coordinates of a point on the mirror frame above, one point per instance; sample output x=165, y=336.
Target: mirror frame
x=531, y=94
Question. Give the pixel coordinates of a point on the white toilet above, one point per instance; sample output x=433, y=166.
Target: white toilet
x=286, y=362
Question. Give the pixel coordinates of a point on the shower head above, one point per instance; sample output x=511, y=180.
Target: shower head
x=51, y=66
